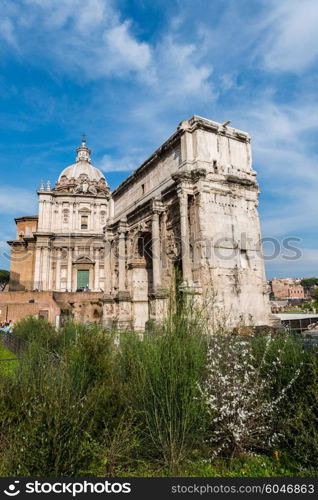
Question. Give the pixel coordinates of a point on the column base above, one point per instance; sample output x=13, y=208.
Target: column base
x=158, y=300
x=123, y=306
x=159, y=293
x=123, y=296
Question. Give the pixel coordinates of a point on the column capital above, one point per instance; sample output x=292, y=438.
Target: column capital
x=108, y=235
x=121, y=233
x=182, y=193
x=181, y=177
x=157, y=206
x=199, y=174
x=122, y=227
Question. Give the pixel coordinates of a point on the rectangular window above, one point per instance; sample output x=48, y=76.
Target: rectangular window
x=82, y=279
x=84, y=222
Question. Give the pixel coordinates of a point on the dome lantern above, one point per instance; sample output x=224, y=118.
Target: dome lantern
x=83, y=152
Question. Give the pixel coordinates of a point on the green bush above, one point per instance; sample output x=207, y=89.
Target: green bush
x=162, y=374
x=55, y=411
x=81, y=405
x=40, y=330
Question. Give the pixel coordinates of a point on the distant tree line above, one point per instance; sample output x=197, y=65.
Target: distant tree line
x=309, y=282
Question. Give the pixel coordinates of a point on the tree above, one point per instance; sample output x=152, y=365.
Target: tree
x=4, y=278
x=315, y=297
x=309, y=282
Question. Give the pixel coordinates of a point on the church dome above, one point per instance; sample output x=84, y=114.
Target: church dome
x=74, y=171
x=81, y=176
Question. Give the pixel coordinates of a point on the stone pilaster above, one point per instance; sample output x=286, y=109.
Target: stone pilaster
x=163, y=245
x=50, y=268
x=122, y=258
x=69, y=268
x=156, y=260
x=37, y=269
x=157, y=295
x=58, y=255
x=184, y=233
x=123, y=299
x=97, y=276
x=45, y=267
x=40, y=226
x=76, y=221
x=108, y=266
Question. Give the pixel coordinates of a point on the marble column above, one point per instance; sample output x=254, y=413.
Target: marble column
x=69, y=269
x=108, y=266
x=71, y=217
x=74, y=274
x=156, y=267
x=76, y=221
x=49, y=215
x=91, y=252
x=50, y=268
x=74, y=216
x=54, y=224
x=44, y=270
x=40, y=228
x=37, y=270
x=60, y=217
x=58, y=255
x=97, y=276
x=98, y=224
x=163, y=243
x=185, y=242
x=121, y=261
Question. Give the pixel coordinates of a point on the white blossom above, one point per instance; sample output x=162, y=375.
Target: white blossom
x=236, y=394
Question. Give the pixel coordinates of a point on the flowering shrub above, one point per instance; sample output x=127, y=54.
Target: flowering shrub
x=237, y=394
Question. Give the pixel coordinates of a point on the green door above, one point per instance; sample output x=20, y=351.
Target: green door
x=82, y=278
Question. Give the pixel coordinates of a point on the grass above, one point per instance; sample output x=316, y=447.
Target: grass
x=80, y=406
x=244, y=466
x=7, y=367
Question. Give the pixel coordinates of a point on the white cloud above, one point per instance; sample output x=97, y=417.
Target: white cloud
x=180, y=69
x=7, y=31
x=124, y=164
x=73, y=14
x=78, y=36
x=17, y=201
x=285, y=160
x=124, y=50
x=91, y=40
x=291, y=42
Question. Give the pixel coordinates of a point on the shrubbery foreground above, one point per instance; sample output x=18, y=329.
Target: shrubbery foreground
x=179, y=402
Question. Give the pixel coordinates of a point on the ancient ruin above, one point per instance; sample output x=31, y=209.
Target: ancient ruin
x=112, y=256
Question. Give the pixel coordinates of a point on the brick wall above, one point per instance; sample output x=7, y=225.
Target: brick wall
x=18, y=305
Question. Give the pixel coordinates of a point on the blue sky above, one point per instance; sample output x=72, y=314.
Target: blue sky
x=126, y=72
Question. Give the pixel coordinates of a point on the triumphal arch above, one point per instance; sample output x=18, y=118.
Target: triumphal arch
x=191, y=208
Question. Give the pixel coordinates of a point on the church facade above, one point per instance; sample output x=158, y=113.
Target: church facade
x=190, y=208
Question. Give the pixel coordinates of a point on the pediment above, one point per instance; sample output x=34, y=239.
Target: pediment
x=84, y=260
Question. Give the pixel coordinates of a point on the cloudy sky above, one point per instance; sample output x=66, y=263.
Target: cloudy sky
x=126, y=72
